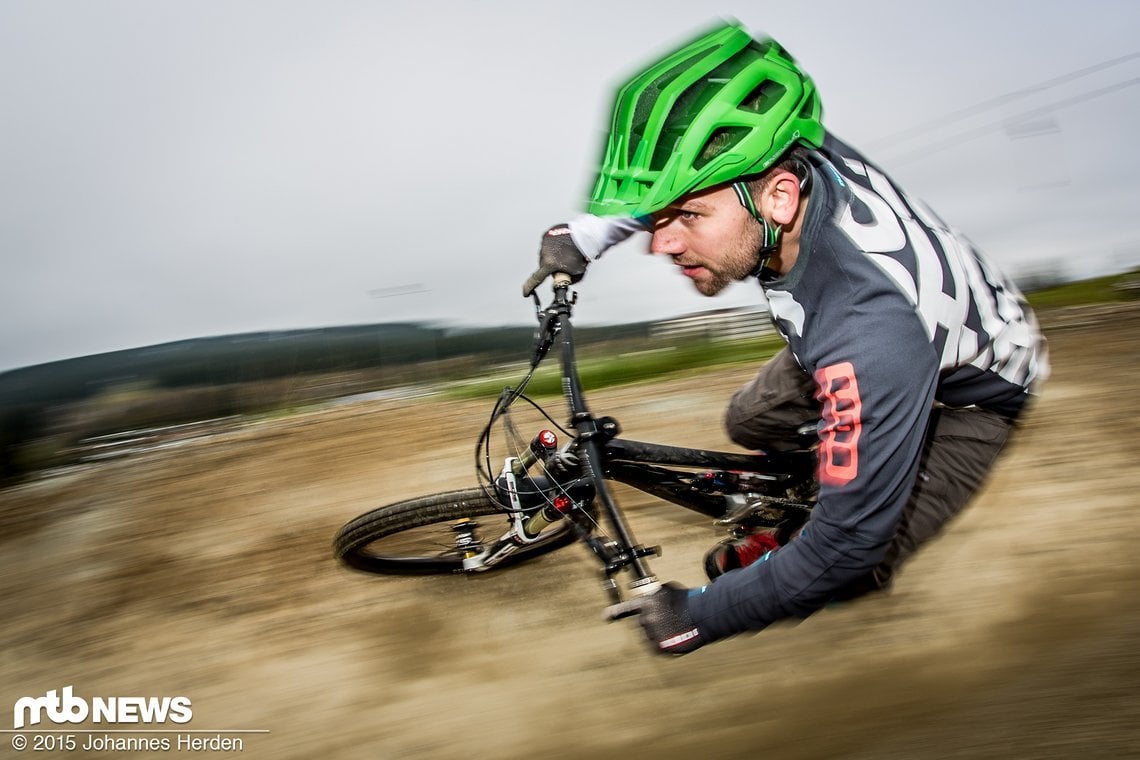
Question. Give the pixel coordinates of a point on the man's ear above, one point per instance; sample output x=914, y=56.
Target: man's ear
x=782, y=197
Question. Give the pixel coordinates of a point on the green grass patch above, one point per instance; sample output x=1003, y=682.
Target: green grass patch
x=1117, y=287
x=603, y=370
x=622, y=363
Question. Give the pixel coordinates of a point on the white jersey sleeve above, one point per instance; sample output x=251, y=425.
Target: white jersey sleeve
x=594, y=235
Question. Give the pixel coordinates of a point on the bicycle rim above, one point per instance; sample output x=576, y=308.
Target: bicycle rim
x=419, y=536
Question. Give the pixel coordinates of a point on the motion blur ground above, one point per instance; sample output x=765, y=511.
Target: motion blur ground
x=206, y=571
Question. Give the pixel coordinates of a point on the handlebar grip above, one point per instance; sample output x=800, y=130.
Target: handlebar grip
x=621, y=610
x=561, y=279
x=642, y=589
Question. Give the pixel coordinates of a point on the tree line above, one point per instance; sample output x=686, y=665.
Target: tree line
x=45, y=409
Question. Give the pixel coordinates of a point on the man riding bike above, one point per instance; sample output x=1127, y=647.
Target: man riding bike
x=908, y=350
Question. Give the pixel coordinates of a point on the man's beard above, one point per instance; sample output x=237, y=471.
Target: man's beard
x=736, y=264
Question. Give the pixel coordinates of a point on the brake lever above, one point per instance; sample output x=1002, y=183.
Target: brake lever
x=543, y=340
x=544, y=336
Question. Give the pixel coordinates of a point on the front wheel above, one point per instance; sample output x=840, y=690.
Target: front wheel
x=430, y=534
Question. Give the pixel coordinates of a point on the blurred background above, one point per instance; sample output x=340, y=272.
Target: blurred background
x=261, y=273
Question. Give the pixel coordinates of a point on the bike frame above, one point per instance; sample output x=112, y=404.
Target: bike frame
x=646, y=466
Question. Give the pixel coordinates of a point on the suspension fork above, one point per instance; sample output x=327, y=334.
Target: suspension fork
x=589, y=433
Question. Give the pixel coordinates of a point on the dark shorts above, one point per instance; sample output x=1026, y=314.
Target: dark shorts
x=960, y=449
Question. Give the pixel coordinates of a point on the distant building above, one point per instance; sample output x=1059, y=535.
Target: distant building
x=718, y=324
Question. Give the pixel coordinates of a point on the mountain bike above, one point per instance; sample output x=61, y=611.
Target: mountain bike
x=546, y=496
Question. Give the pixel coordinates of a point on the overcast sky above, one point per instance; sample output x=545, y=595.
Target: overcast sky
x=173, y=169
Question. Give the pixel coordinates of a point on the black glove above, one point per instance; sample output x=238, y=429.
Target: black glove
x=664, y=617
x=557, y=254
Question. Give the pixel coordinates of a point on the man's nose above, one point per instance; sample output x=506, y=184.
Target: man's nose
x=665, y=241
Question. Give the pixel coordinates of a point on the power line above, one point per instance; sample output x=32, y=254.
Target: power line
x=986, y=128
x=1000, y=100
x=410, y=289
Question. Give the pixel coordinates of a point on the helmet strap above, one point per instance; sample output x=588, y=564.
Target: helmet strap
x=769, y=233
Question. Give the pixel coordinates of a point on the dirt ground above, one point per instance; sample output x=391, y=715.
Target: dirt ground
x=205, y=571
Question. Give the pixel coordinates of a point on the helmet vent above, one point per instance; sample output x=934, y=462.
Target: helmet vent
x=643, y=108
x=765, y=95
x=719, y=141
x=688, y=103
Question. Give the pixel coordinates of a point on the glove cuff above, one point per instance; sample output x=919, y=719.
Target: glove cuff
x=682, y=634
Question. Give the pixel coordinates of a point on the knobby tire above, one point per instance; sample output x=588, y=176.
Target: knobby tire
x=370, y=542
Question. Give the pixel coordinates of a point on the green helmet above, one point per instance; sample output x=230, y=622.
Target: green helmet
x=722, y=107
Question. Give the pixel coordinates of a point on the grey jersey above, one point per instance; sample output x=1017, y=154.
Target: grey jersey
x=985, y=341
x=891, y=311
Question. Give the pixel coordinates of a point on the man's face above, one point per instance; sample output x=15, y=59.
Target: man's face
x=710, y=236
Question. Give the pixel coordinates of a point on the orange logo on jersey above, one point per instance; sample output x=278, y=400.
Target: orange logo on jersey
x=842, y=423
